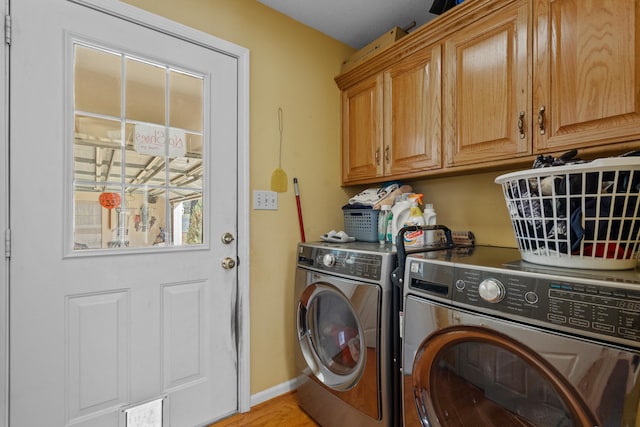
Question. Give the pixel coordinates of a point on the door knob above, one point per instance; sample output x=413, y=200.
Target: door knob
x=227, y=238
x=228, y=263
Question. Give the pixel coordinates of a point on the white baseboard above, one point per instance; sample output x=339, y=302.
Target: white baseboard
x=272, y=392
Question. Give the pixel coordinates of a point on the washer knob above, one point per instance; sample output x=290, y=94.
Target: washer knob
x=491, y=290
x=329, y=260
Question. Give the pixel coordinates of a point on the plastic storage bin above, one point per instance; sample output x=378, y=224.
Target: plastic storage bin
x=361, y=224
x=582, y=215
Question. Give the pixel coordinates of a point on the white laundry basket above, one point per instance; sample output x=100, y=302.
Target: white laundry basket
x=581, y=215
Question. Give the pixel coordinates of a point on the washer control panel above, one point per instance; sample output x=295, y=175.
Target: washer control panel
x=501, y=292
x=596, y=308
x=607, y=311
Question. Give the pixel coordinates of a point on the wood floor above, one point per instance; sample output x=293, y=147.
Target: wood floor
x=278, y=412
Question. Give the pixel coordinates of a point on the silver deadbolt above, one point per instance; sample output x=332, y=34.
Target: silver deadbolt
x=227, y=238
x=228, y=263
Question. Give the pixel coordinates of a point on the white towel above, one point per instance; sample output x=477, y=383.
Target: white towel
x=371, y=196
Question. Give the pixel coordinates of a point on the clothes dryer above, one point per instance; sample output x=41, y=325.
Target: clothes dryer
x=344, y=333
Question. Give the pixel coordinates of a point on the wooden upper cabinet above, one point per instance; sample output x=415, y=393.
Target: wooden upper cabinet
x=412, y=111
x=362, y=131
x=586, y=72
x=391, y=125
x=493, y=83
x=487, y=88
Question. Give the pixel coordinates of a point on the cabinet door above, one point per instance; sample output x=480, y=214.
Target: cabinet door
x=587, y=72
x=362, y=131
x=487, y=92
x=412, y=113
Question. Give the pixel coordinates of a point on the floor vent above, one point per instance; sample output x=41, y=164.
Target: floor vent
x=145, y=414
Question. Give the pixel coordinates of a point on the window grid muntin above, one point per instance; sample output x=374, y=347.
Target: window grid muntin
x=191, y=192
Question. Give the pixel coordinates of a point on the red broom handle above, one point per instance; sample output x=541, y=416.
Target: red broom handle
x=297, y=192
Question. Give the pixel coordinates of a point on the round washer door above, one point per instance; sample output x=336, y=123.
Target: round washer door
x=471, y=375
x=330, y=336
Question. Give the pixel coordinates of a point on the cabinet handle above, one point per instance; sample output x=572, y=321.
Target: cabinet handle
x=378, y=157
x=541, y=120
x=521, y=124
x=386, y=154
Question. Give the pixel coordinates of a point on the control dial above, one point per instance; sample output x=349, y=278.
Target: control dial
x=329, y=260
x=492, y=290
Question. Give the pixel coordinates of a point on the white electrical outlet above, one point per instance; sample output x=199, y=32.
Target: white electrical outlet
x=265, y=200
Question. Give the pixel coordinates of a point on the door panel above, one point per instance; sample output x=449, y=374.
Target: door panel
x=96, y=329
x=413, y=114
x=362, y=131
x=586, y=73
x=486, y=88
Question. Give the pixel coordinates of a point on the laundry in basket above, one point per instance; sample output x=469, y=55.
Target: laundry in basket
x=583, y=215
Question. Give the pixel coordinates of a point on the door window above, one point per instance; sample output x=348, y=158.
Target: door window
x=331, y=336
x=465, y=374
x=137, y=151
x=335, y=332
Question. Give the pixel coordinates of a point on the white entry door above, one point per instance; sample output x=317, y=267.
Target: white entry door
x=123, y=156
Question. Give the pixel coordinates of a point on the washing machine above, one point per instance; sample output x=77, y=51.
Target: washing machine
x=344, y=333
x=490, y=340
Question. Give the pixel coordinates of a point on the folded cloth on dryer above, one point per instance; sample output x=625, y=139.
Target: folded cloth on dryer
x=337, y=237
x=371, y=196
x=390, y=198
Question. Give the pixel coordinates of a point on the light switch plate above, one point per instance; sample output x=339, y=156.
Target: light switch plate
x=265, y=200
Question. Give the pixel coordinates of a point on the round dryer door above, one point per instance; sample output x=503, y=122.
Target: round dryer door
x=471, y=375
x=331, y=337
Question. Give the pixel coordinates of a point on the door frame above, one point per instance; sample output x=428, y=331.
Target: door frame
x=166, y=26
x=4, y=224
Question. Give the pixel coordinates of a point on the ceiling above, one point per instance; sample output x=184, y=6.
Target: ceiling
x=355, y=22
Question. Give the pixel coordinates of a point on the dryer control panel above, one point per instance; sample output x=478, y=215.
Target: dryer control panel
x=349, y=263
x=366, y=266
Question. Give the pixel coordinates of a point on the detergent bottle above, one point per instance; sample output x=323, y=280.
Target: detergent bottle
x=415, y=238
x=399, y=215
x=429, y=216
